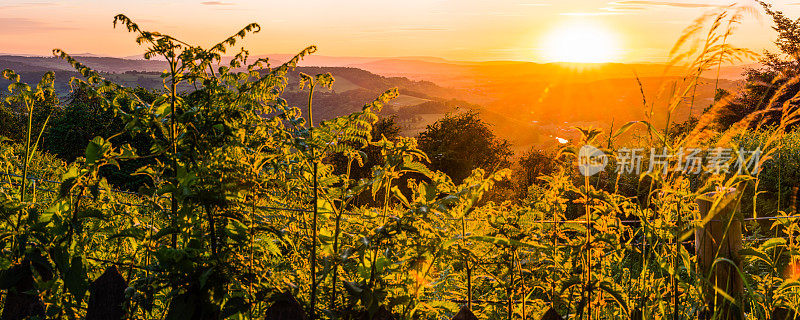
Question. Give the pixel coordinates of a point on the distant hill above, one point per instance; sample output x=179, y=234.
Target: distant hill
x=528, y=103
x=457, y=74
x=352, y=89
x=547, y=100
x=105, y=64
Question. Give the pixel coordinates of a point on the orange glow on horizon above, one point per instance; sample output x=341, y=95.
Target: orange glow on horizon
x=469, y=30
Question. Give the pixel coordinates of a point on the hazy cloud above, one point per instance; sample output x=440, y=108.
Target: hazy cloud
x=25, y=5
x=663, y=3
x=586, y=14
x=403, y=29
x=422, y=29
x=25, y=25
x=216, y=3
x=10, y=25
x=624, y=8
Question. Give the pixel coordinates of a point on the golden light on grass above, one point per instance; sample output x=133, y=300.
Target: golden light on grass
x=581, y=42
x=793, y=270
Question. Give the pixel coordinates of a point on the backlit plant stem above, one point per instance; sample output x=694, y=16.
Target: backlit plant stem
x=316, y=209
x=588, y=247
x=23, y=186
x=173, y=137
x=336, y=232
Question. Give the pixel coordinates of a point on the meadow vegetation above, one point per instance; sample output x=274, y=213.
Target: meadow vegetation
x=215, y=198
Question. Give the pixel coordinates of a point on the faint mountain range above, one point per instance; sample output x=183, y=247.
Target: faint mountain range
x=104, y=64
x=526, y=102
x=457, y=73
x=412, y=67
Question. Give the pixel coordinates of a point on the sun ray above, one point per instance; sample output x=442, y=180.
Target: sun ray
x=581, y=42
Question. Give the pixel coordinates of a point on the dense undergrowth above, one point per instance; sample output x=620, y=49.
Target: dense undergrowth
x=243, y=199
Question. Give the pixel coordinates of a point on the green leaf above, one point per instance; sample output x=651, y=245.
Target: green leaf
x=788, y=284
x=76, y=280
x=399, y=194
x=95, y=150
x=164, y=232
x=500, y=241
x=607, y=287
x=353, y=288
x=755, y=253
x=324, y=206
x=135, y=233
x=773, y=243
x=649, y=126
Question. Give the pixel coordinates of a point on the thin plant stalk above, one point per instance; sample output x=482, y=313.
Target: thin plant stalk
x=336, y=232
x=173, y=136
x=676, y=294
x=588, y=283
x=510, y=290
x=312, y=314
x=23, y=185
x=466, y=262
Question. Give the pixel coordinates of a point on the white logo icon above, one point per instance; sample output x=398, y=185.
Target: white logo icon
x=591, y=160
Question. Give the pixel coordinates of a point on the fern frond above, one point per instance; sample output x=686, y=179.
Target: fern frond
x=231, y=41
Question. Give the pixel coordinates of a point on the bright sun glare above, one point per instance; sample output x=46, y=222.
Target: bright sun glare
x=581, y=42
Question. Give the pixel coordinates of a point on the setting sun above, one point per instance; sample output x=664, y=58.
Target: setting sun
x=581, y=42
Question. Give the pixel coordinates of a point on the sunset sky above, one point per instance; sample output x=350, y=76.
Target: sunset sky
x=631, y=31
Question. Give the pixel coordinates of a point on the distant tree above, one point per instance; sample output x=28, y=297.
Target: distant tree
x=459, y=143
x=10, y=122
x=13, y=118
x=527, y=171
x=82, y=119
x=776, y=70
x=536, y=163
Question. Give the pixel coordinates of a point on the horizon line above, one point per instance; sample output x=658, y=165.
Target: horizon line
x=417, y=58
